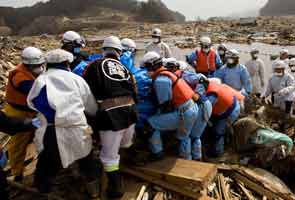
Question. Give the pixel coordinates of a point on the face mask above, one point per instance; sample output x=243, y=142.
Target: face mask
x=38, y=70
x=206, y=50
x=77, y=50
x=221, y=52
x=230, y=61
x=156, y=40
x=292, y=68
x=278, y=74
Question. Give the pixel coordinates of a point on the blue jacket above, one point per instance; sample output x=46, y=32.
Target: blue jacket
x=127, y=59
x=79, y=69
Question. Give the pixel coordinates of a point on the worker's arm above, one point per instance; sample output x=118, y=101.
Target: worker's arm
x=191, y=59
x=163, y=89
x=246, y=80
x=262, y=72
x=218, y=61
x=168, y=53
x=21, y=83
x=11, y=125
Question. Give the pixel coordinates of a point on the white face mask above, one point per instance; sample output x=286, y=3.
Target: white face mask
x=292, y=68
x=279, y=74
x=156, y=40
x=221, y=52
x=206, y=50
x=231, y=61
x=38, y=70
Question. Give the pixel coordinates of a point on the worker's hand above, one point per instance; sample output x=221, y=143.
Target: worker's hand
x=36, y=122
x=283, y=92
x=196, y=97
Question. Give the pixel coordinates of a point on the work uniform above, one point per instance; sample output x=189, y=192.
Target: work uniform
x=20, y=81
x=9, y=126
x=65, y=136
x=127, y=59
x=226, y=109
x=182, y=117
x=204, y=114
x=256, y=70
x=236, y=77
x=205, y=63
x=161, y=48
x=275, y=85
x=111, y=83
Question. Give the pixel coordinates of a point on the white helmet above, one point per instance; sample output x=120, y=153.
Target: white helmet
x=128, y=44
x=222, y=46
x=168, y=62
x=205, y=40
x=292, y=62
x=157, y=32
x=215, y=80
x=59, y=56
x=183, y=65
x=233, y=53
x=150, y=59
x=32, y=56
x=254, y=50
x=71, y=37
x=112, y=42
x=284, y=51
x=278, y=64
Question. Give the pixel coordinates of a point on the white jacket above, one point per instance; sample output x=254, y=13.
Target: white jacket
x=256, y=70
x=70, y=96
x=162, y=49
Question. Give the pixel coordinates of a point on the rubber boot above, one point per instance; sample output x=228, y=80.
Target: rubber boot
x=93, y=189
x=115, y=188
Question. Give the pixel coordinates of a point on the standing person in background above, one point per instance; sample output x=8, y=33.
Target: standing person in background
x=256, y=69
x=235, y=74
x=157, y=45
x=222, y=50
x=20, y=81
x=205, y=60
x=284, y=56
x=128, y=55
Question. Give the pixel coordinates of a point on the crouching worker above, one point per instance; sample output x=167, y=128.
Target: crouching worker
x=11, y=125
x=177, y=109
x=180, y=68
x=226, y=110
x=260, y=145
x=20, y=81
x=113, y=88
x=61, y=98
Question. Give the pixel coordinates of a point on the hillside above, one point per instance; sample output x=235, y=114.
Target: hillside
x=278, y=8
x=18, y=19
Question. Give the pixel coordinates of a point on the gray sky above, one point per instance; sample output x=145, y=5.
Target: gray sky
x=190, y=8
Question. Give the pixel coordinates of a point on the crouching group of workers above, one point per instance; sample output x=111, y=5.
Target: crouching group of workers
x=72, y=96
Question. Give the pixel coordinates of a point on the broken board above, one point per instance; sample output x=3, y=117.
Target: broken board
x=181, y=176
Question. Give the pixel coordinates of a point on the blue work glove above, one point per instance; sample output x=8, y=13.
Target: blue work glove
x=3, y=159
x=36, y=122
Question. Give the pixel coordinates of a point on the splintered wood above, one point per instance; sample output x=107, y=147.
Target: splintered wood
x=181, y=176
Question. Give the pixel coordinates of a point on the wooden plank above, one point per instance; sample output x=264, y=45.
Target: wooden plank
x=141, y=192
x=182, y=172
x=162, y=183
x=246, y=192
x=159, y=196
x=224, y=190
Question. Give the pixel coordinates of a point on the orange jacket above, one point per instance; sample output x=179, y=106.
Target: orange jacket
x=205, y=63
x=225, y=97
x=181, y=90
x=16, y=76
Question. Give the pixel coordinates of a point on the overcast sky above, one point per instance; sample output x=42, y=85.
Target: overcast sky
x=190, y=8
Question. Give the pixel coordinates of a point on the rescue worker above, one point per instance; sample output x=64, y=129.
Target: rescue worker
x=73, y=43
x=284, y=56
x=205, y=107
x=113, y=88
x=177, y=109
x=205, y=60
x=235, y=74
x=128, y=54
x=256, y=70
x=157, y=45
x=226, y=110
x=64, y=136
x=276, y=88
x=292, y=67
x=11, y=125
x=222, y=50
x=20, y=81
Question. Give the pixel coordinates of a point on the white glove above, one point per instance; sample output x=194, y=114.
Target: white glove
x=285, y=91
